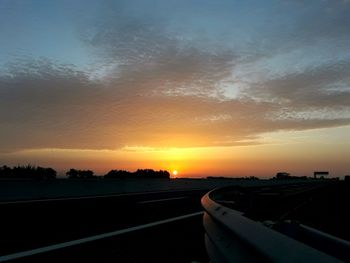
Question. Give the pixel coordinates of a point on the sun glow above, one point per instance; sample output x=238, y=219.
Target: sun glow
x=174, y=172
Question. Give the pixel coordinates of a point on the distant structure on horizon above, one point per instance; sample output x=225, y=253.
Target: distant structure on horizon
x=320, y=174
x=282, y=175
x=285, y=175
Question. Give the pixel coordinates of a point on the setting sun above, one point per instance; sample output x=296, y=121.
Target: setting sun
x=175, y=172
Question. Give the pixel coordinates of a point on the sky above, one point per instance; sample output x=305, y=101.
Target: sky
x=208, y=88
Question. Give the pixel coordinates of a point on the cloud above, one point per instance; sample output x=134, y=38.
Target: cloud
x=52, y=106
x=151, y=87
x=324, y=87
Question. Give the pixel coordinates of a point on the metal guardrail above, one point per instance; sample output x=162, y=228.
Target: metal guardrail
x=322, y=241
x=232, y=237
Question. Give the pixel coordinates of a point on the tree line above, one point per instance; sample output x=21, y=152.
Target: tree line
x=27, y=172
x=42, y=173
x=140, y=173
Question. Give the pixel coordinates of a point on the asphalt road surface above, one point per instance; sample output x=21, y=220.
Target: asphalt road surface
x=145, y=227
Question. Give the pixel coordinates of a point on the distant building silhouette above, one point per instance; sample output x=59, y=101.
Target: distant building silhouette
x=320, y=174
x=285, y=175
x=282, y=175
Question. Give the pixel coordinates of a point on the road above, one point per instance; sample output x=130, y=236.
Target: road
x=163, y=226
x=143, y=227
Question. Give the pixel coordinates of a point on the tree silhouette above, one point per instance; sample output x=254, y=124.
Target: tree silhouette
x=86, y=174
x=72, y=173
x=140, y=173
x=80, y=174
x=27, y=172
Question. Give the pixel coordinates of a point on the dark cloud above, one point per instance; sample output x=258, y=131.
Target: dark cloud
x=326, y=86
x=325, y=20
x=56, y=106
x=142, y=52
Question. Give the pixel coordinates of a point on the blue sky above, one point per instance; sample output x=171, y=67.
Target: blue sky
x=56, y=29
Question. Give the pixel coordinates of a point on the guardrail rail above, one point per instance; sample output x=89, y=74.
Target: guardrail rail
x=232, y=237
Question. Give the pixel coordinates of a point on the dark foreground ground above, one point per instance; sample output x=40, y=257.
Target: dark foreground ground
x=327, y=210
x=173, y=242
x=28, y=225
x=11, y=190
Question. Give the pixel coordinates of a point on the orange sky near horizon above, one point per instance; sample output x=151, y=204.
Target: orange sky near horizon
x=303, y=153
